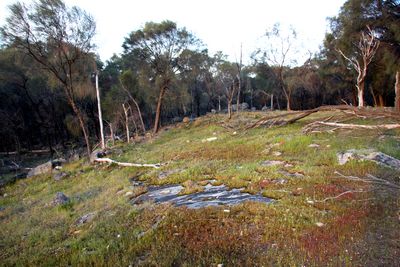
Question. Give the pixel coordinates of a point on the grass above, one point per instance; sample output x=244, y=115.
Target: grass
x=300, y=227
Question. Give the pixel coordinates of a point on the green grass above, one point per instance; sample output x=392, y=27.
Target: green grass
x=357, y=228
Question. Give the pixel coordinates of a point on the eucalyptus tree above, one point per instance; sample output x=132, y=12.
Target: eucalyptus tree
x=382, y=16
x=60, y=39
x=160, y=46
x=278, y=53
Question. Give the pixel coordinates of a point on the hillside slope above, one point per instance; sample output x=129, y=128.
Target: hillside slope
x=320, y=213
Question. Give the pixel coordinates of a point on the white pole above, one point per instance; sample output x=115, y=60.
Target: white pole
x=103, y=146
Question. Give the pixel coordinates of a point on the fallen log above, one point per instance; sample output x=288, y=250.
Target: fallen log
x=279, y=120
x=127, y=164
x=313, y=125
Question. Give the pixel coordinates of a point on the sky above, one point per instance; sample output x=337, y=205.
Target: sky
x=222, y=25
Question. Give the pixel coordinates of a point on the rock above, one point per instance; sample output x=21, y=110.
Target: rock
x=41, y=169
x=60, y=199
x=269, y=163
x=98, y=153
x=264, y=108
x=277, y=153
x=186, y=120
x=213, y=111
x=319, y=224
x=85, y=218
x=165, y=174
x=313, y=145
x=344, y=157
x=129, y=193
x=244, y=106
x=59, y=175
x=368, y=154
x=279, y=181
x=209, y=139
x=296, y=174
x=253, y=109
x=385, y=160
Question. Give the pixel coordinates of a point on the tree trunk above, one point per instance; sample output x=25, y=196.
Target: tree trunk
x=360, y=93
x=126, y=123
x=288, y=103
x=381, y=102
x=158, y=110
x=136, y=105
x=81, y=123
x=103, y=145
x=376, y=104
x=272, y=102
x=229, y=109
x=112, y=134
x=397, y=91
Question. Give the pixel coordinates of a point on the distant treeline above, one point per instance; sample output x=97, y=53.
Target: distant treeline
x=47, y=65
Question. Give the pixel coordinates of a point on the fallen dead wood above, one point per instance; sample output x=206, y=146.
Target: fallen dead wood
x=281, y=119
x=370, y=179
x=314, y=125
x=127, y=164
x=340, y=195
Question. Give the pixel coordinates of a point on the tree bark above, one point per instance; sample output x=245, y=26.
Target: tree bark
x=360, y=94
x=158, y=110
x=229, y=109
x=397, y=91
x=81, y=123
x=126, y=122
x=103, y=145
x=136, y=105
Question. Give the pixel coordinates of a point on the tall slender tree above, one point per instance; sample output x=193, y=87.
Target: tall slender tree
x=60, y=39
x=160, y=46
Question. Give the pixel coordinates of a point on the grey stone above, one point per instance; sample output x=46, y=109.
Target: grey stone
x=385, y=160
x=269, y=163
x=213, y=111
x=163, y=175
x=41, y=169
x=210, y=196
x=85, y=218
x=60, y=199
x=368, y=154
x=59, y=175
x=253, y=109
x=98, y=153
x=244, y=106
x=264, y=108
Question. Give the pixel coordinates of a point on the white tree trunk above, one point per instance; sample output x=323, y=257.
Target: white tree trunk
x=103, y=145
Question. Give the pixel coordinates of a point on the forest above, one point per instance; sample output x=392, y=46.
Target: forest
x=49, y=69
x=170, y=155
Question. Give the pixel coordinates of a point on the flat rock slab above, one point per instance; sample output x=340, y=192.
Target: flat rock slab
x=378, y=157
x=211, y=196
x=269, y=163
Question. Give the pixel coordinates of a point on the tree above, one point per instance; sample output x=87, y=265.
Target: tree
x=277, y=54
x=367, y=46
x=160, y=46
x=226, y=79
x=382, y=16
x=60, y=39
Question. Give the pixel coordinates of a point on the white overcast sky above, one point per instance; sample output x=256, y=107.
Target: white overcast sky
x=221, y=24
